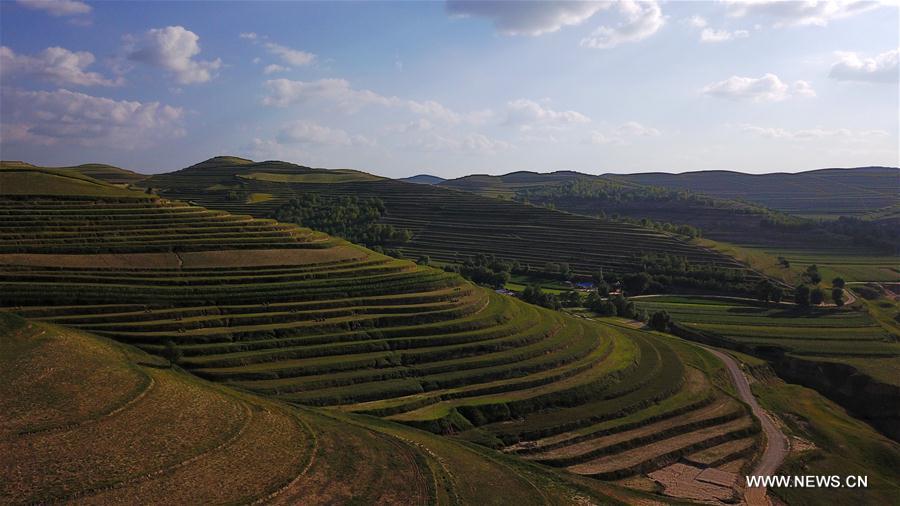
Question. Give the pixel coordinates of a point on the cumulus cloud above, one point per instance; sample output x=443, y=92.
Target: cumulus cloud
x=768, y=88
x=65, y=117
x=641, y=20
x=528, y=114
x=273, y=68
x=850, y=66
x=713, y=35
x=697, y=21
x=312, y=134
x=284, y=92
x=55, y=64
x=811, y=134
x=800, y=13
x=57, y=7
x=173, y=49
x=527, y=18
x=635, y=129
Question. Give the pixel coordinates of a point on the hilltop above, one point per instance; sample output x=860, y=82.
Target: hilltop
x=423, y=179
x=445, y=225
x=822, y=192
x=100, y=171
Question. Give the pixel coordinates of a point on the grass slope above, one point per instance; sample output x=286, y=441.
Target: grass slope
x=447, y=225
x=362, y=333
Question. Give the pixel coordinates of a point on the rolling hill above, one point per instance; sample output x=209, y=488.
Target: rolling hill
x=103, y=172
x=823, y=192
x=445, y=225
x=300, y=318
x=423, y=179
x=91, y=421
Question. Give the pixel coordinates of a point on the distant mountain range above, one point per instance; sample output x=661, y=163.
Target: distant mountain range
x=423, y=179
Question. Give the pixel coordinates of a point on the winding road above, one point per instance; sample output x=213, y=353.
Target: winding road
x=777, y=445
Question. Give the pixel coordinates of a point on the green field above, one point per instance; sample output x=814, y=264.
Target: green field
x=301, y=318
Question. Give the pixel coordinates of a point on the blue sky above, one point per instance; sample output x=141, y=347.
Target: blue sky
x=453, y=88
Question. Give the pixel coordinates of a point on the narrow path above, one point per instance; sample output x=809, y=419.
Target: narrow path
x=850, y=299
x=777, y=445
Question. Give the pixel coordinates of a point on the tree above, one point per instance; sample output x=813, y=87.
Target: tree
x=424, y=260
x=660, y=321
x=777, y=294
x=816, y=296
x=637, y=283
x=571, y=299
x=838, y=282
x=171, y=353
x=801, y=295
x=837, y=295
x=764, y=290
x=812, y=275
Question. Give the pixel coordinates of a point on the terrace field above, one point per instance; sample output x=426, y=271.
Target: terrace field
x=304, y=319
x=91, y=421
x=446, y=225
x=730, y=224
x=844, y=353
x=824, y=192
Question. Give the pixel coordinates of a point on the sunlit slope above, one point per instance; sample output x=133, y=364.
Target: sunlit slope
x=90, y=421
x=446, y=225
x=100, y=171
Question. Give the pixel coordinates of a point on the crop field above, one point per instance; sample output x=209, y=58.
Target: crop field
x=91, y=421
x=447, y=225
x=358, y=333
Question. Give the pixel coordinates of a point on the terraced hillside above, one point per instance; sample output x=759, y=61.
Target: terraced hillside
x=90, y=421
x=718, y=218
x=103, y=172
x=302, y=318
x=845, y=354
x=824, y=192
x=446, y=225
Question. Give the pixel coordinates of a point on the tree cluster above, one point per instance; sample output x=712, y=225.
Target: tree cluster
x=350, y=217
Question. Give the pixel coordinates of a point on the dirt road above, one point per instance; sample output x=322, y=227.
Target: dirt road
x=776, y=442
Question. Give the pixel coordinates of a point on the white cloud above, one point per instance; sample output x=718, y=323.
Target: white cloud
x=635, y=129
x=527, y=18
x=309, y=133
x=713, y=35
x=811, y=134
x=528, y=114
x=248, y=35
x=54, y=64
x=620, y=135
x=57, y=7
x=850, y=66
x=173, y=48
x=273, y=68
x=69, y=118
x=290, y=56
x=284, y=92
x=768, y=88
x=473, y=143
x=800, y=13
x=697, y=21
x=642, y=19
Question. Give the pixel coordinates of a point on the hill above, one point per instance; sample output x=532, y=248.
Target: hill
x=302, y=318
x=444, y=225
x=423, y=179
x=858, y=248
x=103, y=172
x=89, y=420
x=823, y=192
